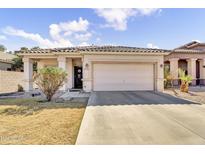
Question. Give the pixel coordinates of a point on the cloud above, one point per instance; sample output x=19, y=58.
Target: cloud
x=84, y=44
x=83, y=37
x=147, y=11
x=118, y=18
x=59, y=34
x=150, y=45
x=68, y=28
x=43, y=42
x=98, y=39
x=2, y=37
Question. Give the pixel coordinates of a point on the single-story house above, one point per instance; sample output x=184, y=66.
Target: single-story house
x=116, y=68
x=6, y=61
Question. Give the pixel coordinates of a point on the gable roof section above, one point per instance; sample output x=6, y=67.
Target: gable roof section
x=191, y=45
x=188, y=51
x=94, y=49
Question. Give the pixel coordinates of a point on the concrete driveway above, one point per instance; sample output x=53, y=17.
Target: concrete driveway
x=141, y=118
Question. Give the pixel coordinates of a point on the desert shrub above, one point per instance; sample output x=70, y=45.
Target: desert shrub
x=49, y=80
x=20, y=88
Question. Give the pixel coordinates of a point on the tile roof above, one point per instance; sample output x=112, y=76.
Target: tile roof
x=96, y=49
x=191, y=45
x=188, y=45
x=188, y=51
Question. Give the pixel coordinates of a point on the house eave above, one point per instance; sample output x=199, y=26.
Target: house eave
x=80, y=54
x=33, y=54
x=124, y=53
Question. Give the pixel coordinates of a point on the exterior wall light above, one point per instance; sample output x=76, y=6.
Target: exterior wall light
x=161, y=65
x=86, y=66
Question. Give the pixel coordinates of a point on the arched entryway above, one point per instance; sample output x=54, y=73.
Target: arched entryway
x=183, y=65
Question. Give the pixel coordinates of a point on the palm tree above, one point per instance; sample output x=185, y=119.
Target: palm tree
x=185, y=80
x=167, y=77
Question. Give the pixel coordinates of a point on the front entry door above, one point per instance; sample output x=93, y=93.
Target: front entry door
x=77, y=77
x=197, y=73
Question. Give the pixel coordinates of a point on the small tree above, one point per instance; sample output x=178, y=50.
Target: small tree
x=49, y=80
x=35, y=48
x=23, y=49
x=2, y=48
x=185, y=81
x=168, y=78
x=17, y=64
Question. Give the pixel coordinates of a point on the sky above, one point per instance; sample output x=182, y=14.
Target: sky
x=51, y=28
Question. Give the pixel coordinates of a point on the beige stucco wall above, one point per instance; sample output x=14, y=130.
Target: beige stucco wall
x=9, y=81
x=46, y=62
x=182, y=64
x=88, y=61
x=77, y=62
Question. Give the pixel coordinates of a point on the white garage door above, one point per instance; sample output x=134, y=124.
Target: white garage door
x=119, y=77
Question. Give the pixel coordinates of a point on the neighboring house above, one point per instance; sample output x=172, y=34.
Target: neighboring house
x=191, y=58
x=9, y=80
x=118, y=68
x=6, y=61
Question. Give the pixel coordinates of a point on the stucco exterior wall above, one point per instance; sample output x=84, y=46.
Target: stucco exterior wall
x=9, y=81
x=182, y=64
x=46, y=62
x=88, y=61
x=77, y=62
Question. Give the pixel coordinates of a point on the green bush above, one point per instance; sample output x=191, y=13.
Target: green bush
x=49, y=80
x=20, y=88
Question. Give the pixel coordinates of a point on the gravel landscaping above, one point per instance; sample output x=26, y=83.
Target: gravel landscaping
x=196, y=94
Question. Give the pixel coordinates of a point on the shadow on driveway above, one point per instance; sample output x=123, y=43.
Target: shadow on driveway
x=103, y=98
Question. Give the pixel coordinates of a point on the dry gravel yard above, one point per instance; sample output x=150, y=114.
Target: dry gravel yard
x=28, y=121
x=196, y=94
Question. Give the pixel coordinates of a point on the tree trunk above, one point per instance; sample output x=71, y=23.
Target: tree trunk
x=184, y=87
x=49, y=98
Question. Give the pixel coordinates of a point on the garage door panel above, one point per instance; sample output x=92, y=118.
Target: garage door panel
x=119, y=77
